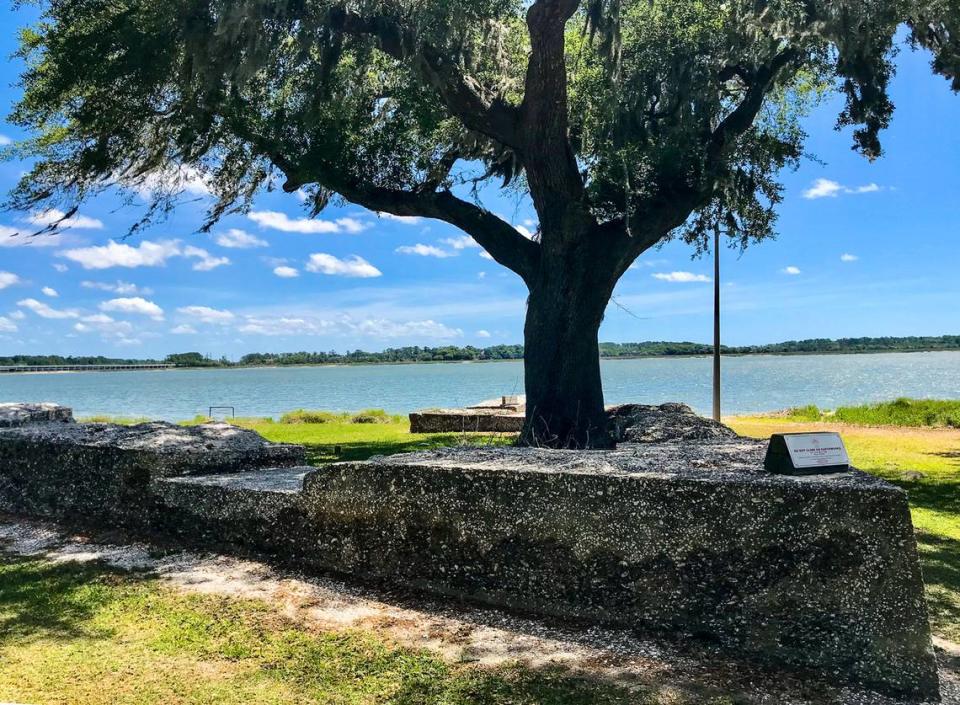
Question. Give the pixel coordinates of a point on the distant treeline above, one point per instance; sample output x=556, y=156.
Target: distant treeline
x=454, y=353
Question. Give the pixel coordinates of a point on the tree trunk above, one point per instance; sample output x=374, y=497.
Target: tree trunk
x=561, y=355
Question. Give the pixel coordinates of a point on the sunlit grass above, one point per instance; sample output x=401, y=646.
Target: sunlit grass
x=83, y=634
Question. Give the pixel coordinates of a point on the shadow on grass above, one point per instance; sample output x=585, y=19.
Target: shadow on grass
x=72, y=604
x=40, y=599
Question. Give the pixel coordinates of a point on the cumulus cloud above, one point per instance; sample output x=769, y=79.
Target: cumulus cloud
x=45, y=311
x=239, y=240
x=353, y=266
x=56, y=217
x=681, y=277
x=827, y=188
x=377, y=328
x=846, y=257
x=205, y=314
x=14, y=237
x=285, y=272
x=50, y=291
x=791, y=270
x=4, y=141
x=424, y=251
x=307, y=226
x=483, y=333
x=18, y=315
x=486, y=255
x=104, y=324
x=206, y=261
x=60, y=267
x=406, y=219
x=8, y=279
x=461, y=242
x=117, y=287
x=174, y=180
x=7, y=326
x=115, y=254
x=183, y=330
x=134, y=304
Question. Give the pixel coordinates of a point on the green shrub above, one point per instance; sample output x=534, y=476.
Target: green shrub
x=372, y=416
x=305, y=416
x=903, y=412
x=810, y=412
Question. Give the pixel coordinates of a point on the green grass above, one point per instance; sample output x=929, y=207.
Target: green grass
x=346, y=438
x=925, y=463
x=900, y=412
x=81, y=633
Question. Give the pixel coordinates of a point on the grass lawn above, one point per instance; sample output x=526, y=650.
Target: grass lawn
x=926, y=463
x=81, y=634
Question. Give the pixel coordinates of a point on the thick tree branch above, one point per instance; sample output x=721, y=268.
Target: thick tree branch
x=548, y=156
x=462, y=94
x=741, y=118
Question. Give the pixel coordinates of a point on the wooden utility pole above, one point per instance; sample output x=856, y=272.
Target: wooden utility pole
x=716, y=324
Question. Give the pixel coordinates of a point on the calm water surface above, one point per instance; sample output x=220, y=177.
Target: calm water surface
x=751, y=384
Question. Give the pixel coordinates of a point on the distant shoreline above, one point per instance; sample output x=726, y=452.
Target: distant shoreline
x=377, y=363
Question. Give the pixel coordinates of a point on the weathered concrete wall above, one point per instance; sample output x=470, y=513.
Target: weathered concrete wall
x=101, y=472
x=689, y=537
x=818, y=572
x=465, y=421
x=14, y=415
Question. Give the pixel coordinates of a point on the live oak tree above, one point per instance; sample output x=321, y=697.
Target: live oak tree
x=626, y=122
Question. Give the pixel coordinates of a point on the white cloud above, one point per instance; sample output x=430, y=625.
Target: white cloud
x=353, y=266
x=174, y=180
x=483, y=334
x=45, y=311
x=525, y=231
x=376, y=328
x=18, y=315
x=481, y=275
x=50, y=291
x=461, y=242
x=846, y=257
x=406, y=219
x=60, y=267
x=681, y=277
x=183, y=330
x=102, y=323
x=239, y=240
x=118, y=287
x=205, y=314
x=13, y=237
x=206, y=260
x=285, y=272
x=8, y=279
x=115, y=254
x=4, y=141
x=424, y=251
x=7, y=326
x=134, y=304
x=791, y=270
x=284, y=223
x=827, y=188
x=54, y=216
x=487, y=255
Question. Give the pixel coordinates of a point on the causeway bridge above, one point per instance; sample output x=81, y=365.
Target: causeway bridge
x=83, y=368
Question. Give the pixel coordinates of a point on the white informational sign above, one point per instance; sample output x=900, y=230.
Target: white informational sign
x=811, y=450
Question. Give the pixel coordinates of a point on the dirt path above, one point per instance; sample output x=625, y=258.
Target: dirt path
x=677, y=672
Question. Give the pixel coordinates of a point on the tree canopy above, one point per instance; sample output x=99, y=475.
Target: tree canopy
x=627, y=122
x=666, y=108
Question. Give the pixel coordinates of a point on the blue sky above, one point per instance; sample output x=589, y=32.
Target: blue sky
x=863, y=249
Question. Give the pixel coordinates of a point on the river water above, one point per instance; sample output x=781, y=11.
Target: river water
x=750, y=384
